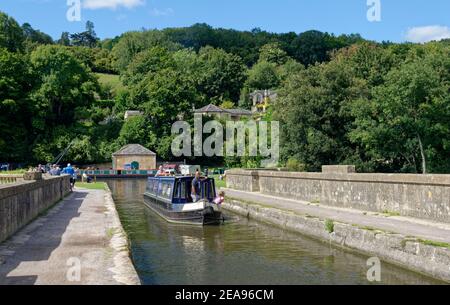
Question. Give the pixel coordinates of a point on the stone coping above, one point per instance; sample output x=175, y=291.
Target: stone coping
x=8, y=190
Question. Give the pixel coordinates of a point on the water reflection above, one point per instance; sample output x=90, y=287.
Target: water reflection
x=239, y=252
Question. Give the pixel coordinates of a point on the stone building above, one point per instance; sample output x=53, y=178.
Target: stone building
x=134, y=156
x=131, y=114
x=261, y=99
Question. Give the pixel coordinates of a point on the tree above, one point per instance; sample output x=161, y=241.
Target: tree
x=407, y=122
x=87, y=38
x=313, y=114
x=11, y=34
x=136, y=130
x=227, y=105
x=273, y=53
x=162, y=84
x=221, y=74
x=63, y=84
x=65, y=39
x=35, y=36
x=315, y=47
x=15, y=83
x=90, y=28
x=263, y=75
x=146, y=62
x=132, y=43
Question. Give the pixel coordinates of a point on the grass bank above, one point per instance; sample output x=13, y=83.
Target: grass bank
x=91, y=186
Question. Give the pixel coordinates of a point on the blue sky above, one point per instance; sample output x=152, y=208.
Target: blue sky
x=413, y=20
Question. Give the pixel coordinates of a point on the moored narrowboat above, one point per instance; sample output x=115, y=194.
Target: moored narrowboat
x=171, y=198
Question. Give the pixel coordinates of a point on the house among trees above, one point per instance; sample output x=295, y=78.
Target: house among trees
x=131, y=114
x=134, y=156
x=221, y=113
x=261, y=99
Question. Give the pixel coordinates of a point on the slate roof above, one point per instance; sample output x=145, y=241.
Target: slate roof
x=134, y=150
x=239, y=111
x=215, y=109
x=209, y=108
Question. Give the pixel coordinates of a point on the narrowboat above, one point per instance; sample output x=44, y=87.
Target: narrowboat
x=170, y=198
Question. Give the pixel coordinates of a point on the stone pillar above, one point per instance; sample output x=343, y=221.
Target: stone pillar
x=255, y=182
x=32, y=176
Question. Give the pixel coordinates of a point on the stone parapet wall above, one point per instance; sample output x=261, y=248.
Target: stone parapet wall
x=23, y=201
x=420, y=196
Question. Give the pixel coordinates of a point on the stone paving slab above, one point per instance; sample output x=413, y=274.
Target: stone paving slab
x=83, y=229
x=423, y=229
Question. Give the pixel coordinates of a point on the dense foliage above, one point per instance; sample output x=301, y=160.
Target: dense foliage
x=341, y=99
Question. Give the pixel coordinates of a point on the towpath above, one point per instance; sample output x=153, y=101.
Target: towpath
x=78, y=241
x=418, y=228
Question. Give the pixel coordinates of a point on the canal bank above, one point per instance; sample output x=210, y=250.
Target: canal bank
x=78, y=241
x=418, y=245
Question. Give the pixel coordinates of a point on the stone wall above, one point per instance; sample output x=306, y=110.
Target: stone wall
x=420, y=196
x=22, y=201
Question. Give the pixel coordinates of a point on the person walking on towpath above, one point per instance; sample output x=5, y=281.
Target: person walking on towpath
x=71, y=172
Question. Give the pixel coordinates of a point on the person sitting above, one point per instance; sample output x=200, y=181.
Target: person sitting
x=160, y=172
x=220, y=199
x=87, y=178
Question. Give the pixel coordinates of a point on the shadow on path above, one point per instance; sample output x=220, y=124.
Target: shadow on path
x=34, y=244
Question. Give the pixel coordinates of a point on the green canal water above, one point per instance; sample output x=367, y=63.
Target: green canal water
x=238, y=252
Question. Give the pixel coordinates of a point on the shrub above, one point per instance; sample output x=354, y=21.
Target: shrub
x=329, y=226
x=293, y=165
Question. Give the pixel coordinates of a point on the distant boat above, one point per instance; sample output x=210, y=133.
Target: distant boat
x=170, y=198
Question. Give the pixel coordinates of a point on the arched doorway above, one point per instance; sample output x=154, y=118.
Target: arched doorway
x=134, y=165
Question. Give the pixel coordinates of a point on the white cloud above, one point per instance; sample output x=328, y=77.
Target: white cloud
x=161, y=12
x=111, y=4
x=427, y=33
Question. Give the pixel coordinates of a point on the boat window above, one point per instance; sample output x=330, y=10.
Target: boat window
x=155, y=187
x=180, y=190
x=165, y=190
x=151, y=185
x=208, y=189
x=212, y=191
x=176, y=191
x=168, y=191
x=188, y=186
